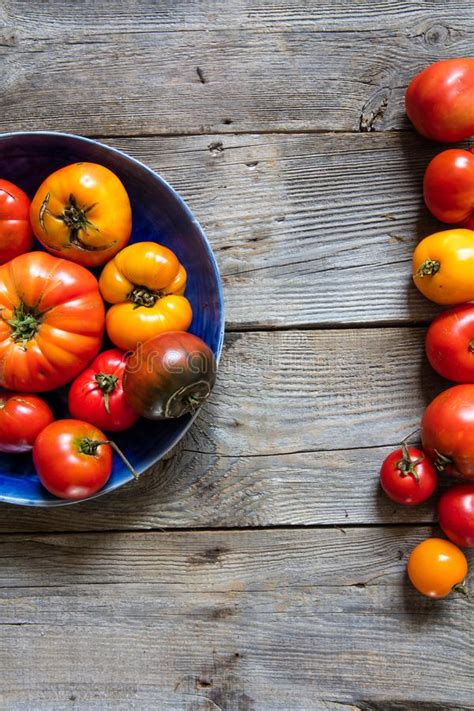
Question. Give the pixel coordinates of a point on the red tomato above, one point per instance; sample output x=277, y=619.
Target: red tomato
x=448, y=187
x=447, y=431
x=16, y=235
x=456, y=514
x=450, y=344
x=22, y=418
x=97, y=394
x=439, y=100
x=407, y=476
x=73, y=459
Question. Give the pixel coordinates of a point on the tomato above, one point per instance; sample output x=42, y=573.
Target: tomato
x=448, y=186
x=450, y=343
x=439, y=100
x=97, y=394
x=73, y=459
x=447, y=431
x=436, y=567
x=16, y=235
x=456, y=514
x=443, y=265
x=22, y=418
x=169, y=375
x=51, y=321
x=145, y=283
x=407, y=476
x=82, y=212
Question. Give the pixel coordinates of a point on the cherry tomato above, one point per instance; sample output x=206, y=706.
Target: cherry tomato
x=16, y=235
x=22, y=418
x=407, y=476
x=448, y=187
x=447, y=431
x=82, y=212
x=450, y=344
x=436, y=567
x=73, y=459
x=440, y=98
x=456, y=514
x=96, y=395
x=443, y=264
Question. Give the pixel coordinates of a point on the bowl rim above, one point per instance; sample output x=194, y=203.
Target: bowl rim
x=18, y=501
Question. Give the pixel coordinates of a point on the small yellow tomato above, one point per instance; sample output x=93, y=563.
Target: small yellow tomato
x=436, y=566
x=443, y=266
x=145, y=283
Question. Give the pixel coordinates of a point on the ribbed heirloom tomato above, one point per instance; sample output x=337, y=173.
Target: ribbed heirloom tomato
x=82, y=212
x=16, y=236
x=51, y=321
x=145, y=283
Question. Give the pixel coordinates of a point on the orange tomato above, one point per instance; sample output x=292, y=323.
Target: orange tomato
x=443, y=265
x=436, y=566
x=145, y=283
x=51, y=321
x=82, y=212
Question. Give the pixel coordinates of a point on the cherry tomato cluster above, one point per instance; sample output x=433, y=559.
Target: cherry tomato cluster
x=440, y=104
x=53, y=317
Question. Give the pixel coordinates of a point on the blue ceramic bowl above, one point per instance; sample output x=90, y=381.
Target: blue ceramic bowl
x=159, y=214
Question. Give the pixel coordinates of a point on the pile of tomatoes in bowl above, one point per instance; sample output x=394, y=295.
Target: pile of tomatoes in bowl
x=440, y=103
x=94, y=330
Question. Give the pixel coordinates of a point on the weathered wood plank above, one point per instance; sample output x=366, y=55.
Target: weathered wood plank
x=230, y=620
x=264, y=66
x=255, y=456
x=307, y=229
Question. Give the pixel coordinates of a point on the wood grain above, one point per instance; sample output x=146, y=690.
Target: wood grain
x=229, y=620
x=293, y=435
x=271, y=66
x=309, y=229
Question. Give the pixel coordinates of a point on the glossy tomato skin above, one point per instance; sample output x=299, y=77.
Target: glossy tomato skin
x=447, y=431
x=82, y=212
x=51, y=324
x=450, y=344
x=97, y=396
x=169, y=376
x=63, y=469
x=145, y=284
x=456, y=514
x=448, y=187
x=408, y=477
x=436, y=566
x=443, y=265
x=16, y=235
x=440, y=98
x=22, y=418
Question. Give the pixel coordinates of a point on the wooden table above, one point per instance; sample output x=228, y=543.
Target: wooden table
x=259, y=567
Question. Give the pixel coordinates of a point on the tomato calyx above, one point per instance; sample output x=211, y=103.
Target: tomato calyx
x=428, y=268
x=442, y=461
x=471, y=345
x=24, y=324
x=141, y=296
x=187, y=399
x=407, y=466
x=107, y=383
x=89, y=446
x=75, y=218
x=461, y=588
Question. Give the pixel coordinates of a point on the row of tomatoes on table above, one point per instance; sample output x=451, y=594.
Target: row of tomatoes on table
x=52, y=321
x=440, y=104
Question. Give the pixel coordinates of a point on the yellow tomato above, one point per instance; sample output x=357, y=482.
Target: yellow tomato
x=443, y=266
x=145, y=283
x=82, y=212
x=436, y=566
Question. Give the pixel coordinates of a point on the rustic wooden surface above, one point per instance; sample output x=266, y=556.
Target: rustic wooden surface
x=259, y=567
